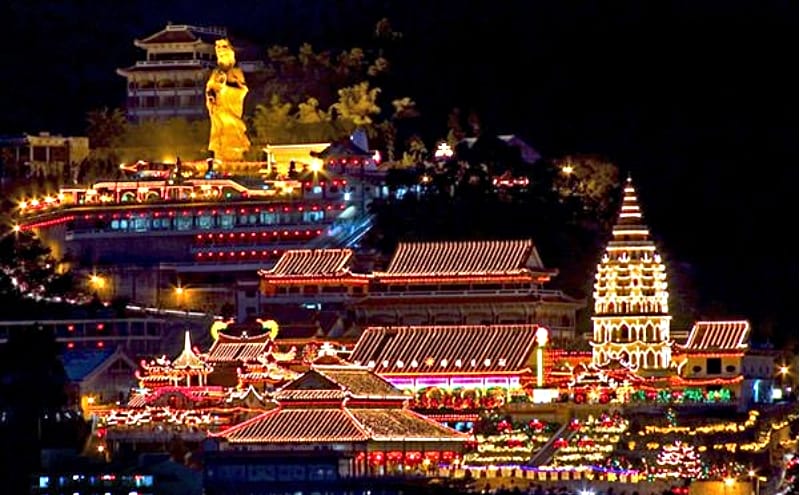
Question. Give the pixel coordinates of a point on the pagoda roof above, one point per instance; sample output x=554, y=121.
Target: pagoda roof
x=718, y=336
x=188, y=359
x=81, y=365
x=311, y=263
x=335, y=424
x=341, y=149
x=245, y=348
x=630, y=215
x=181, y=33
x=463, y=258
x=335, y=382
x=446, y=349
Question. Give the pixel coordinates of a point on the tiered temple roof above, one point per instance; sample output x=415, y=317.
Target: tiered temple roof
x=457, y=349
x=183, y=34
x=340, y=404
x=231, y=349
x=425, y=261
x=317, y=265
x=730, y=336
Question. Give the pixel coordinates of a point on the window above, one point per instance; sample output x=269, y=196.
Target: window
x=183, y=223
x=714, y=366
x=730, y=369
x=226, y=221
x=205, y=221
x=140, y=224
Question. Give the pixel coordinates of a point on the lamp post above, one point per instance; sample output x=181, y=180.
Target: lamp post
x=541, y=340
x=754, y=477
x=728, y=482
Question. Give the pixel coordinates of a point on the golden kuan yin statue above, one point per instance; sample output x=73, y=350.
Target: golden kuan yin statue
x=225, y=92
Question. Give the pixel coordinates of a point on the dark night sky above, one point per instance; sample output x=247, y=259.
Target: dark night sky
x=696, y=99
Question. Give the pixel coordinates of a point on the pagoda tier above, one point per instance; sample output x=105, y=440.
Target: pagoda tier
x=631, y=317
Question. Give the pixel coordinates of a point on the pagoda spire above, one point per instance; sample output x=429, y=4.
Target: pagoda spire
x=631, y=314
x=188, y=359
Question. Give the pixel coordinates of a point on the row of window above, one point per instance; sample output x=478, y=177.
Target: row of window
x=165, y=101
x=208, y=222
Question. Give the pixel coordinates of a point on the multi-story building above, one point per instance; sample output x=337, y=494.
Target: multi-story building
x=183, y=243
x=631, y=322
x=42, y=154
x=431, y=283
x=171, y=81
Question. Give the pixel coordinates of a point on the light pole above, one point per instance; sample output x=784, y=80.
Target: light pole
x=754, y=477
x=728, y=482
x=541, y=340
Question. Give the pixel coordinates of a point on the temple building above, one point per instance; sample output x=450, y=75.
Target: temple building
x=343, y=413
x=631, y=322
x=426, y=283
x=455, y=371
x=450, y=356
x=713, y=355
x=171, y=81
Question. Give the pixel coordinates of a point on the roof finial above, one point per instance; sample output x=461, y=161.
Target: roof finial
x=187, y=342
x=629, y=178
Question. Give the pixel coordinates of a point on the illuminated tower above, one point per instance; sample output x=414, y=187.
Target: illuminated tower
x=631, y=317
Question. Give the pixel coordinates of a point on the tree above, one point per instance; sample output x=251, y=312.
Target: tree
x=357, y=104
x=271, y=122
x=105, y=127
x=33, y=401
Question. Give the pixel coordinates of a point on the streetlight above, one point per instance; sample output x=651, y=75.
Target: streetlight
x=97, y=281
x=753, y=476
x=783, y=370
x=728, y=482
x=567, y=169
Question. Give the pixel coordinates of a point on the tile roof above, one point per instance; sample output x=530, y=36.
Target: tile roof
x=230, y=348
x=343, y=148
x=403, y=423
x=338, y=424
x=345, y=380
x=446, y=349
x=444, y=258
x=297, y=426
x=183, y=34
x=80, y=363
x=718, y=336
x=311, y=262
x=358, y=381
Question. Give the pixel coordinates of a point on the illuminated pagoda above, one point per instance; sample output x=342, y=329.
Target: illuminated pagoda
x=454, y=371
x=631, y=322
x=350, y=412
x=711, y=358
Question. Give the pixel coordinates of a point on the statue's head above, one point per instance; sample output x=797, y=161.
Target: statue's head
x=226, y=58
